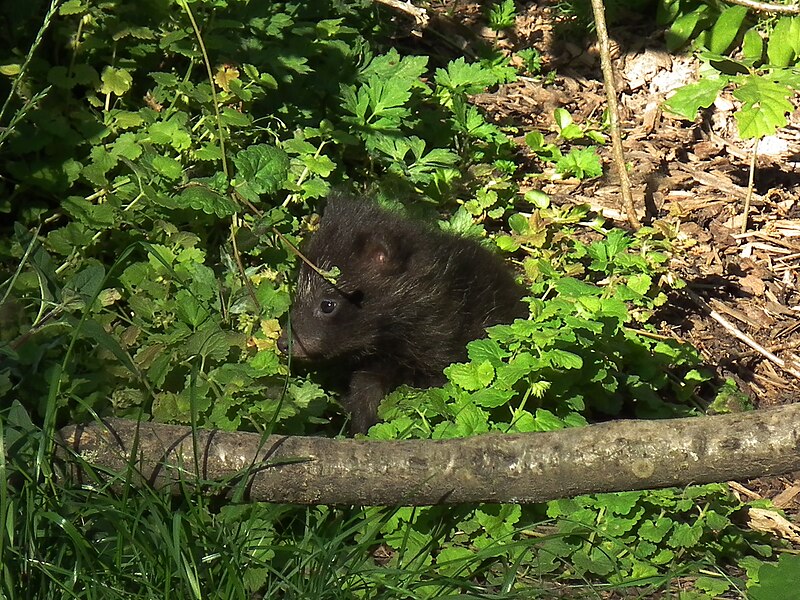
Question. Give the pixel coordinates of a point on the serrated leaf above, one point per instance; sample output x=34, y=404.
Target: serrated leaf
x=72, y=7
x=563, y=359
x=685, y=536
x=260, y=169
x=581, y=162
x=115, y=81
x=640, y=283
x=765, y=105
x=486, y=350
x=689, y=99
x=200, y=197
x=170, y=133
x=574, y=288
x=492, y=397
x=471, y=376
x=547, y=421
x=84, y=285
x=654, y=531
x=167, y=166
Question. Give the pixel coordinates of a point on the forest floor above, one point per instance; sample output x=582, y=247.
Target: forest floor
x=690, y=175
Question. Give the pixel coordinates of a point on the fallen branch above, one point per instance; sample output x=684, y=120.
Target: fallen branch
x=521, y=468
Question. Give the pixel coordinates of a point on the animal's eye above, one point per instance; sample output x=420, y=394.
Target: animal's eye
x=327, y=306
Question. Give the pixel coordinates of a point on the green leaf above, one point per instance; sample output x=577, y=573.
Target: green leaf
x=689, y=99
x=684, y=26
x=169, y=167
x=492, y=397
x=765, y=105
x=86, y=284
x=726, y=28
x=189, y=309
x=200, y=197
x=115, y=81
x=783, y=47
x=581, y=162
x=752, y=45
x=773, y=578
x=170, y=133
x=260, y=169
x=685, y=536
x=654, y=531
x=574, y=288
x=547, y=421
x=486, y=350
x=563, y=359
x=471, y=376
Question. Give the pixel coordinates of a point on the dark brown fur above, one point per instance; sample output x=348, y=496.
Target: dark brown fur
x=406, y=303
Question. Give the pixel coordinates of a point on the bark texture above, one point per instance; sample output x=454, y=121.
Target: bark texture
x=522, y=468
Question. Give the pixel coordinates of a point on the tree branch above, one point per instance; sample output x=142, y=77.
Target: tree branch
x=521, y=468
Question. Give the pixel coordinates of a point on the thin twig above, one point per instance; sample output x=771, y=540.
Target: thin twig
x=741, y=336
x=778, y=9
x=750, y=180
x=613, y=113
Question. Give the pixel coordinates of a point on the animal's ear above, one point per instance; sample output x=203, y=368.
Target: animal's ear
x=384, y=253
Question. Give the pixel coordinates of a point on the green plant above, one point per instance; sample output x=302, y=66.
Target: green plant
x=502, y=14
x=756, y=59
x=582, y=162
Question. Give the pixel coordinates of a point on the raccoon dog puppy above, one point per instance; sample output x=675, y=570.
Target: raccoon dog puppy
x=407, y=300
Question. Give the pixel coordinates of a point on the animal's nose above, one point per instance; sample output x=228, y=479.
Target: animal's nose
x=283, y=343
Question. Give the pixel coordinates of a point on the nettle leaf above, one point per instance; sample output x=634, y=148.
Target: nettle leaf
x=84, y=286
x=563, y=359
x=492, y=397
x=171, y=133
x=471, y=376
x=470, y=420
x=115, y=81
x=127, y=146
x=319, y=165
x=260, y=169
x=574, y=288
x=689, y=99
x=518, y=367
x=189, y=309
x=765, y=106
x=486, y=350
x=97, y=216
x=640, y=283
x=101, y=163
x=202, y=198
x=210, y=343
x=547, y=421
x=168, y=167
x=655, y=531
x=685, y=536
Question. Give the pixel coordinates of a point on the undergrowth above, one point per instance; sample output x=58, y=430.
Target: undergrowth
x=152, y=157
